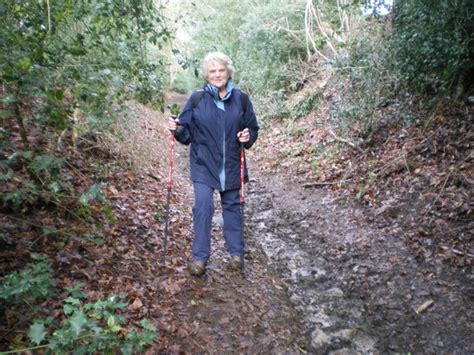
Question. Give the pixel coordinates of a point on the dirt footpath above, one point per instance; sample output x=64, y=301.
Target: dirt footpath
x=319, y=279
x=358, y=290
x=223, y=312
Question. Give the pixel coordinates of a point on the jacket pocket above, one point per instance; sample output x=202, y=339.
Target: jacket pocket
x=199, y=157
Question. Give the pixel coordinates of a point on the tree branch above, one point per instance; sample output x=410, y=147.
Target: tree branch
x=342, y=140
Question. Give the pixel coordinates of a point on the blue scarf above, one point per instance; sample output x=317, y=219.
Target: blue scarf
x=214, y=91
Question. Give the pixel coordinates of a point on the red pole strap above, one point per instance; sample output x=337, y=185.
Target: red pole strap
x=242, y=174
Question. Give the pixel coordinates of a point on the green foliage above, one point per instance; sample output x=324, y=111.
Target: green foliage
x=4, y=177
x=274, y=104
x=186, y=81
x=32, y=283
x=85, y=208
x=363, y=67
x=44, y=183
x=266, y=45
x=69, y=64
x=92, y=194
x=93, y=327
x=37, y=333
x=89, y=54
x=428, y=50
x=214, y=29
x=18, y=197
x=175, y=110
x=107, y=209
x=433, y=45
x=44, y=168
x=88, y=327
x=309, y=103
x=268, y=48
x=46, y=164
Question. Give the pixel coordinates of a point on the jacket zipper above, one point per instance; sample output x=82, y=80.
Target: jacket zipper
x=223, y=156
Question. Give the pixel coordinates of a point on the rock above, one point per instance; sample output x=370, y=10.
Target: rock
x=364, y=343
x=320, y=339
x=334, y=292
x=345, y=333
x=321, y=318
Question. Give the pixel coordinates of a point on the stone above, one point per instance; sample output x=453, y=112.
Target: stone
x=319, y=339
x=334, y=292
x=345, y=333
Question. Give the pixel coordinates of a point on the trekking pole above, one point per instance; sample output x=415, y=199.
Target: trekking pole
x=172, y=139
x=168, y=194
x=242, y=185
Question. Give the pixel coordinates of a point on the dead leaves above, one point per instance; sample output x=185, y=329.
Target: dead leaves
x=171, y=286
x=137, y=304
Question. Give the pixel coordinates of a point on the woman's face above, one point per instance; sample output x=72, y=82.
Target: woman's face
x=217, y=74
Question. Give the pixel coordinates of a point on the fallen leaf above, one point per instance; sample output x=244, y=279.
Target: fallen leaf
x=113, y=190
x=136, y=304
x=424, y=306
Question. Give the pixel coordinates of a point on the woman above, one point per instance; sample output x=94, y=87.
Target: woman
x=216, y=121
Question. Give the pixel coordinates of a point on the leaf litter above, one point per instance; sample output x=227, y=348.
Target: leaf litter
x=323, y=274
x=375, y=244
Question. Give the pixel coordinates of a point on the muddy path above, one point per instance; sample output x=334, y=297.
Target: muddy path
x=356, y=288
x=319, y=279
x=222, y=312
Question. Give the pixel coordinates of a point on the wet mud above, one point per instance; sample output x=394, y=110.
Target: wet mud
x=356, y=288
x=320, y=278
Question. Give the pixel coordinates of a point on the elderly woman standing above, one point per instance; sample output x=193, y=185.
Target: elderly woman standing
x=216, y=121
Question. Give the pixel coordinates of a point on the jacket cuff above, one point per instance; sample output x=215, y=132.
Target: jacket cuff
x=178, y=131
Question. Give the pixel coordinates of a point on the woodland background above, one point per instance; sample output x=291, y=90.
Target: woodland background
x=73, y=76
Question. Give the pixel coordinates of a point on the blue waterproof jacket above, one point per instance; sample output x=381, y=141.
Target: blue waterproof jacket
x=215, y=150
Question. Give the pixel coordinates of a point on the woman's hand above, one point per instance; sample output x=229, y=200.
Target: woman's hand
x=244, y=136
x=173, y=123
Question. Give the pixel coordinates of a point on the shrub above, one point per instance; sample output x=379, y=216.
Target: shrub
x=433, y=45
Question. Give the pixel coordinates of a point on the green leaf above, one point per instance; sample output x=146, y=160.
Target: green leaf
x=77, y=321
x=48, y=230
x=9, y=99
x=72, y=300
x=24, y=64
x=37, y=333
x=84, y=199
x=6, y=114
x=111, y=321
x=149, y=331
x=93, y=194
x=75, y=291
x=6, y=177
x=54, y=187
x=175, y=110
x=68, y=309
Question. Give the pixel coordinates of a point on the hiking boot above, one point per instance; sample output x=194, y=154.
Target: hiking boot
x=236, y=263
x=197, y=267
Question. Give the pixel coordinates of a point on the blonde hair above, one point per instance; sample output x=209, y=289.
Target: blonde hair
x=216, y=57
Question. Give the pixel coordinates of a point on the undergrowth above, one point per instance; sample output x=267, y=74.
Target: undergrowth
x=83, y=326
